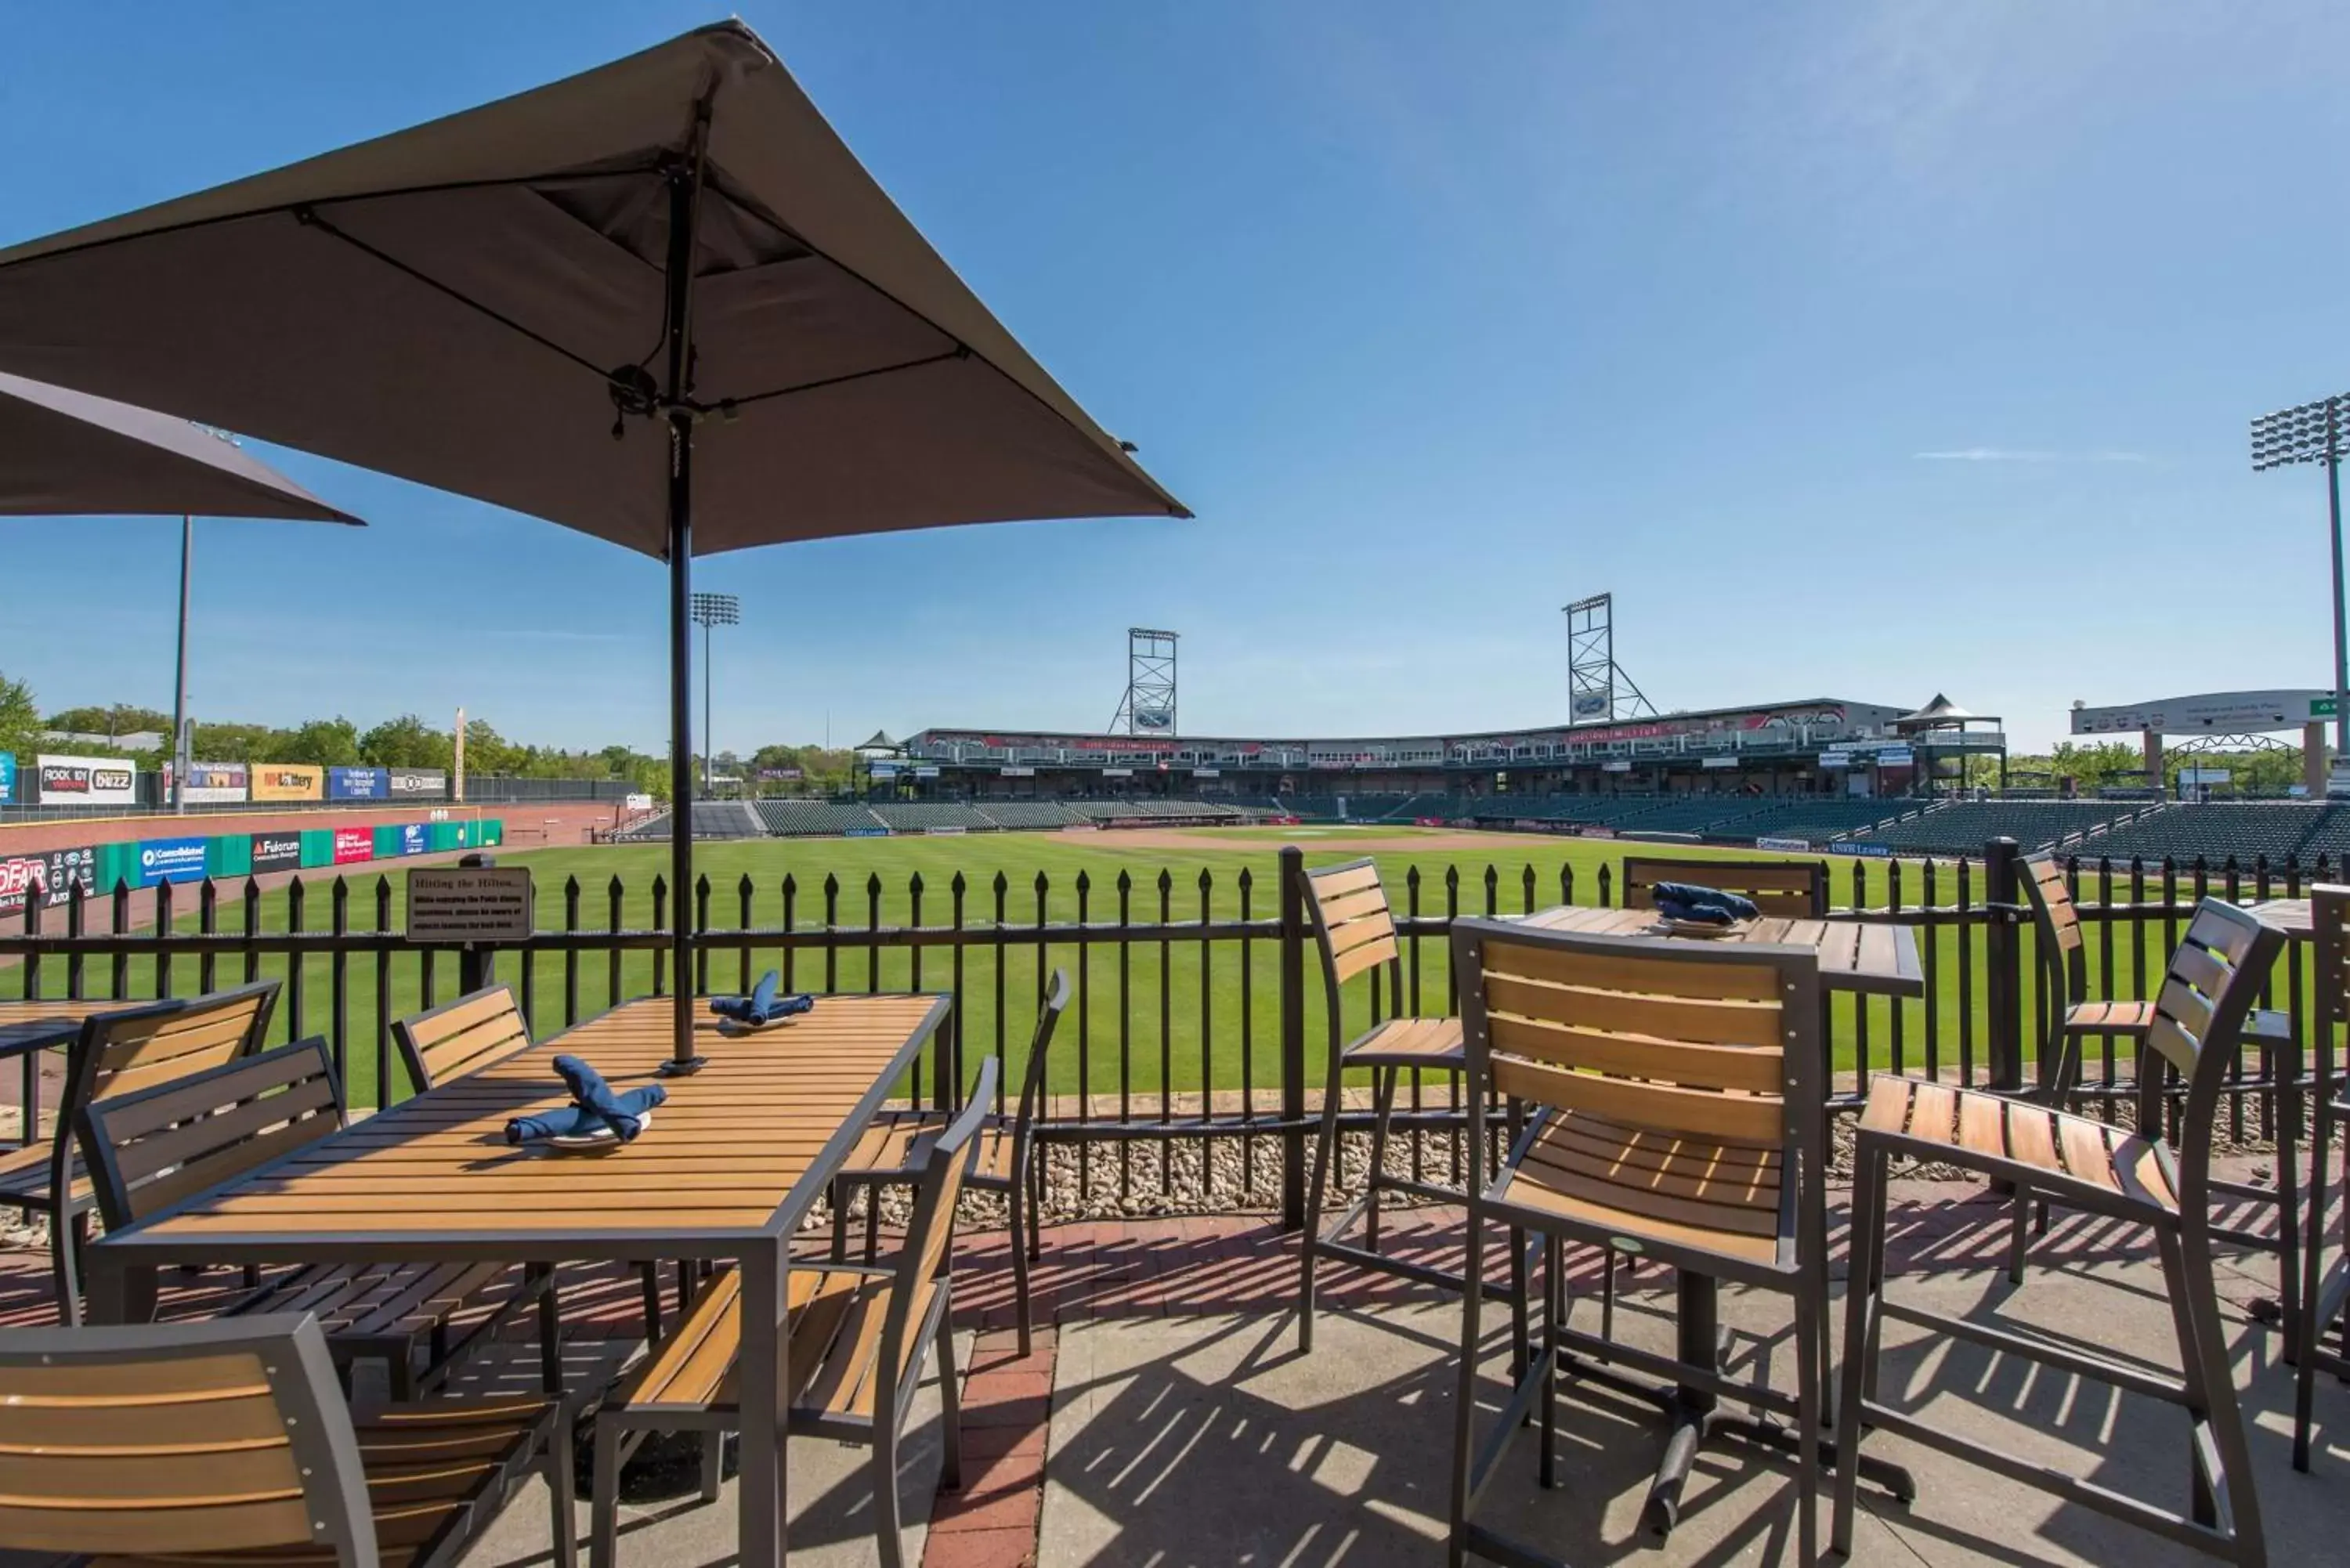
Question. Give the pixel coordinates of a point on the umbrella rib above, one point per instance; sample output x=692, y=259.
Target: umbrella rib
x=310, y=218
x=960, y=351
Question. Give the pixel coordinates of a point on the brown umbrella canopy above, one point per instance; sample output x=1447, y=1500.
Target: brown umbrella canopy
x=68, y=453
x=479, y=303
x=659, y=302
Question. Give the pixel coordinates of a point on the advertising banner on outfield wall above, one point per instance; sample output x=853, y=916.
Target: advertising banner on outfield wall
x=84, y=781
x=412, y=837
x=170, y=860
x=7, y=778
x=49, y=876
x=289, y=781
x=358, y=784
x=276, y=851
x=353, y=844
x=217, y=782
x=418, y=784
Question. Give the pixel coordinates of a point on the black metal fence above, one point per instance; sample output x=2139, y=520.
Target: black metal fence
x=1194, y=1017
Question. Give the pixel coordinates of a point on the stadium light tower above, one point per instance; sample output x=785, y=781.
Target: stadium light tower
x=2312, y=433
x=709, y=610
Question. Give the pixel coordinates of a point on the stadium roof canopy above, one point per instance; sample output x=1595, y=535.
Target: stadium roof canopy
x=71, y=454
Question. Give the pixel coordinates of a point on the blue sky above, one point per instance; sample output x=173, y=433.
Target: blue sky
x=1861, y=349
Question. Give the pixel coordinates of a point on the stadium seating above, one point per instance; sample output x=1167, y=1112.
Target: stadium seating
x=1028, y=814
x=917, y=817
x=1141, y=809
x=1964, y=827
x=2245, y=831
x=711, y=819
x=1818, y=818
x=813, y=818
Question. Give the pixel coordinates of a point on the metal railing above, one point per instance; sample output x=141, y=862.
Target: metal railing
x=1193, y=1018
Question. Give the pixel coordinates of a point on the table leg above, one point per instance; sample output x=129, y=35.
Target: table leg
x=114, y=1291
x=1697, y=1314
x=28, y=1125
x=764, y=1334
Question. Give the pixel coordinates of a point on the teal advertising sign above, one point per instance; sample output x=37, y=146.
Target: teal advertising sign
x=7, y=778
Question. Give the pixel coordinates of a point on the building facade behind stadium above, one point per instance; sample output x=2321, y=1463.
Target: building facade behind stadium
x=1821, y=745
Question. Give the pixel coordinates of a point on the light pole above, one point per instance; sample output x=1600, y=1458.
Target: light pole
x=709, y=610
x=180, y=748
x=2312, y=433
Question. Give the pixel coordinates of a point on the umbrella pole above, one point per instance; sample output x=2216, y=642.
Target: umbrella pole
x=684, y=200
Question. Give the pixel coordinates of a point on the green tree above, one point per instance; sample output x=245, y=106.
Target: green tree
x=406, y=741
x=326, y=742
x=121, y=718
x=20, y=721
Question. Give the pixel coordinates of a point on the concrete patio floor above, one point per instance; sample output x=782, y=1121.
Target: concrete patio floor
x=1166, y=1418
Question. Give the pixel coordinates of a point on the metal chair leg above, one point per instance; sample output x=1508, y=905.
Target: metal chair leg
x=950, y=1408
x=1020, y=1209
x=563, y=1522
x=67, y=1237
x=1865, y=1283
x=1325, y=1153
x=1553, y=1296
x=889, y=1528
x=604, y=1498
x=1465, y=1400
x=1383, y=1096
x=713, y=1463
x=2210, y=1387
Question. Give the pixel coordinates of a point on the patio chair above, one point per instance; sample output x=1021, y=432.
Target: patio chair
x=132, y=1048
x=2135, y=1178
x=1678, y=1108
x=1355, y=933
x=2326, y=1258
x=227, y=1441
x=1790, y=889
x=896, y=1149
x=162, y=1146
x=2068, y=1017
x=859, y=1335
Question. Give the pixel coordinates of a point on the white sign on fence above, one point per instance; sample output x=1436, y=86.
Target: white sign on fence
x=469, y=904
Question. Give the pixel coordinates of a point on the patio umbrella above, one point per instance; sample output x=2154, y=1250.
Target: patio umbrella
x=659, y=302
x=64, y=452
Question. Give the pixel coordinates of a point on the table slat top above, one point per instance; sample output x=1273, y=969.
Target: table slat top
x=33, y=1026
x=722, y=1155
x=1876, y=957
x=2290, y=915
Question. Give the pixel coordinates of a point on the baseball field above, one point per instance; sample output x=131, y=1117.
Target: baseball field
x=1179, y=1016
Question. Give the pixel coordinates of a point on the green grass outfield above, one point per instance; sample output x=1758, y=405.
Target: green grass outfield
x=1147, y=1018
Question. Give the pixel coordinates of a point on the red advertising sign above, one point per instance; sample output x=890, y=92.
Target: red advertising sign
x=353, y=844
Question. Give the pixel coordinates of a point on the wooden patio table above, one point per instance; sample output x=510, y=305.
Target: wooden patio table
x=727, y=1169
x=1874, y=958
x=29, y=1028
x=1870, y=958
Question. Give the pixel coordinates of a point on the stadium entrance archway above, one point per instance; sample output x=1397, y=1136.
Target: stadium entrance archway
x=2220, y=721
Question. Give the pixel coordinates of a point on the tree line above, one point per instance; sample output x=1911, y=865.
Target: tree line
x=406, y=741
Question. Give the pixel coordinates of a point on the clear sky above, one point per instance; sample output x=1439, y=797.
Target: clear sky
x=1862, y=349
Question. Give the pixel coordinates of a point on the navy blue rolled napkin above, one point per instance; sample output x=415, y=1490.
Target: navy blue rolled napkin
x=594, y=1106
x=763, y=1005
x=1701, y=905
x=575, y=1121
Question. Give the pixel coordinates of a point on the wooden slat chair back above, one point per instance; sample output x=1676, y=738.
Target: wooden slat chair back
x=1678, y=1108
x=124, y=1051
x=2063, y=955
x=1353, y=928
x=2209, y=990
x=2326, y=1254
x=1664, y=1052
x=163, y=1439
x=150, y=1150
x=463, y=1036
x=1789, y=889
